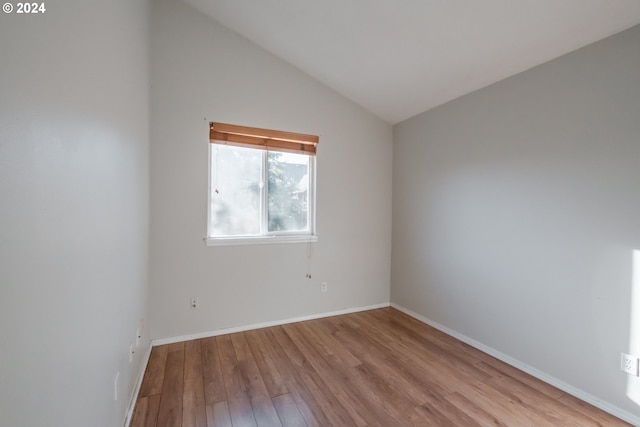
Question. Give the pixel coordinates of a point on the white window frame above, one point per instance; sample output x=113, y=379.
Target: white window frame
x=267, y=237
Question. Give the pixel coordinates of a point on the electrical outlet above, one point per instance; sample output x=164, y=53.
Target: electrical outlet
x=193, y=303
x=323, y=287
x=629, y=364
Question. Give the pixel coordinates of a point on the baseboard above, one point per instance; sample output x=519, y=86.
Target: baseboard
x=580, y=394
x=136, y=389
x=171, y=340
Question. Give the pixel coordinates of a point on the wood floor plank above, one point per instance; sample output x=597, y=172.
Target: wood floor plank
x=193, y=359
x=194, y=411
x=378, y=396
x=309, y=407
x=263, y=408
x=453, y=415
x=422, y=341
x=146, y=411
x=383, y=400
x=154, y=374
x=445, y=361
x=497, y=368
x=369, y=369
x=550, y=409
x=235, y=386
x=177, y=346
x=214, y=391
x=218, y=415
x=329, y=343
x=431, y=417
x=333, y=381
x=601, y=418
x=389, y=367
x=479, y=415
x=439, y=341
x=170, y=411
x=332, y=409
x=507, y=410
x=265, y=412
x=288, y=411
x=405, y=352
x=254, y=384
x=265, y=360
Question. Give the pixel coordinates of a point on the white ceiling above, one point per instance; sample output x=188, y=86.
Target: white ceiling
x=398, y=58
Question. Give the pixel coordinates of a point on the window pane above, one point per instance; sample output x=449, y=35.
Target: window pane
x=235, y=191
x=288, y=192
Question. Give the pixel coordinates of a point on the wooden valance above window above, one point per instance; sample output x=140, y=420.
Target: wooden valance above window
x=265, y=139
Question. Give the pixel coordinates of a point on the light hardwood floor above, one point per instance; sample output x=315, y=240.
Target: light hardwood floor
x=374, y=368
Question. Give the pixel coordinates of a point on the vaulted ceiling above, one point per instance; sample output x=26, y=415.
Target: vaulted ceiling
x=398, y=58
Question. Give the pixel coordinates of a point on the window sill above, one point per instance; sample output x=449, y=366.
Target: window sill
x=259, y=240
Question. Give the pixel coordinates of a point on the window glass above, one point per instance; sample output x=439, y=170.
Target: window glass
x=288, y=192
x=236, y=195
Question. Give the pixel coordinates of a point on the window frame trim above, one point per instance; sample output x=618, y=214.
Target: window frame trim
x=260, y=240
x=276, y=237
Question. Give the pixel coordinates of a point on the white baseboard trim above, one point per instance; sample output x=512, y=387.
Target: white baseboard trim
x=580, y=394
x=136, y=389
x=171, y=340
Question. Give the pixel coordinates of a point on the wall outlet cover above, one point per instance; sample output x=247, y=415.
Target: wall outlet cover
x=629, y=364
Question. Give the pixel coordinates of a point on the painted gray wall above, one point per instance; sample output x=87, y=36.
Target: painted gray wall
x=203, y=72
x=74, y=125
x=516, y=211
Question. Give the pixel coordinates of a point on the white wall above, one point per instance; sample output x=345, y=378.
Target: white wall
x=202, y=72
x=74, y=124
x=516, y=212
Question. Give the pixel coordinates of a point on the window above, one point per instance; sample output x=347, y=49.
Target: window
x=262, y=186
